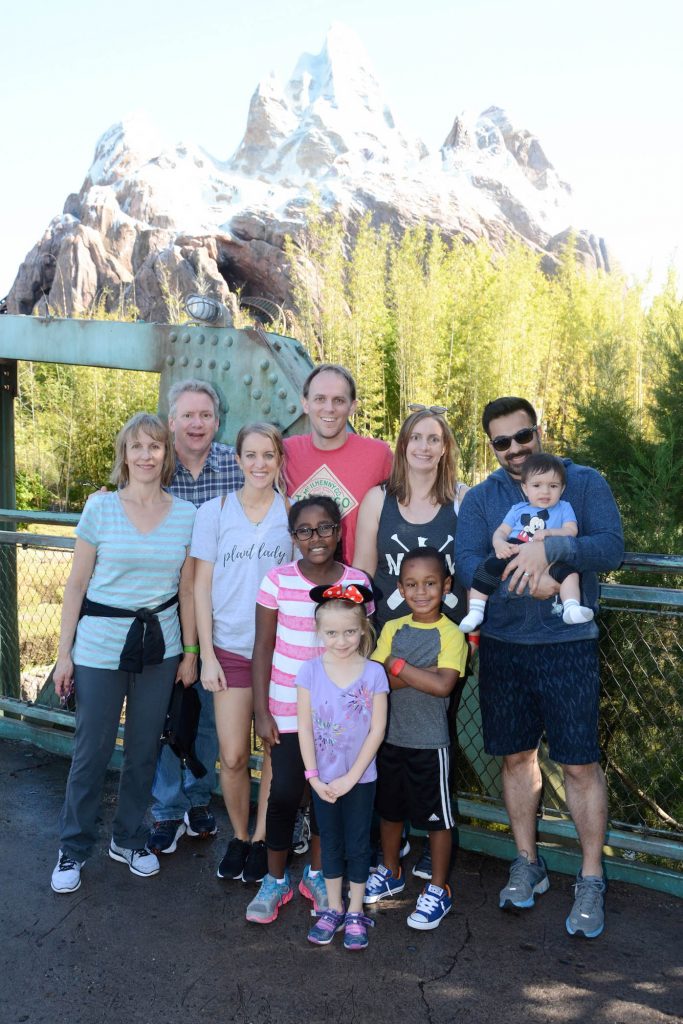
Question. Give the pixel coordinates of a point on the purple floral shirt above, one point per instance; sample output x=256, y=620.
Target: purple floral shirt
x=341, y=716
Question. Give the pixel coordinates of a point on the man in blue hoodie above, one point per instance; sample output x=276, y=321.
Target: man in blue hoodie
x=538, y=675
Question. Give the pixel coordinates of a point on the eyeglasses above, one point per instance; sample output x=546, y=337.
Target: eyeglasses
x=523, y=436
x=438, y=410
x=323, y=530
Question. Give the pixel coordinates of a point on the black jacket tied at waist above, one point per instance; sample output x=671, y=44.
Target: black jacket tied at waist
x=145, y=641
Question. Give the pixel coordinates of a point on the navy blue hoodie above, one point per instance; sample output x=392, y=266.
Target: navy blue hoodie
x=599, y=547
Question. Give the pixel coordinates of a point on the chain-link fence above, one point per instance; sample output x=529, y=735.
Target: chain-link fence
x=642, y=680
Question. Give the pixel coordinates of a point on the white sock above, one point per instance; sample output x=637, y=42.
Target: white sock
x=475, y=615
x=574, y=613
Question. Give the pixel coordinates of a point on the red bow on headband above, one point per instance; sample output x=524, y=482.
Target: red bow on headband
x=350, y=593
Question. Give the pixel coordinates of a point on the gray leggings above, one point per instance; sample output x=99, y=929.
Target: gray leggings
x=99, y=700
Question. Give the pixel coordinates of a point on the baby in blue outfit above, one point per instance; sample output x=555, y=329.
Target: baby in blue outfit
x=543, y=514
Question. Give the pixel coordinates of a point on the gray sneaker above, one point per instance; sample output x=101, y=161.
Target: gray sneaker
x=587, y=916
x=141, y=862
x=525, y=880
x=271, y=896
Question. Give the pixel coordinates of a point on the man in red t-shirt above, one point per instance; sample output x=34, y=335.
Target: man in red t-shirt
x=331, y=460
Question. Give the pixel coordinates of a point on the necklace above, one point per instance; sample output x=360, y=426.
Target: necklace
x=254, y=522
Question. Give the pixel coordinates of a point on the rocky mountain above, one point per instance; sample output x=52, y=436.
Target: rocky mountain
x=151, y=216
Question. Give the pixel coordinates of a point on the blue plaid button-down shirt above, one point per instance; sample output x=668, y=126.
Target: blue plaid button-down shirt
x=220, y=474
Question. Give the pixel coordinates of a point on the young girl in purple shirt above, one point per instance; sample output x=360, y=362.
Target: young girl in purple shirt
x=342, y=713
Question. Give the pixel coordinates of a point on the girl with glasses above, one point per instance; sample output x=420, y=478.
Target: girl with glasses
x=286, y=637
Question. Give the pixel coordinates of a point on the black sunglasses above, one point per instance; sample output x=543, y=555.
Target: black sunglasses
x=523, y=436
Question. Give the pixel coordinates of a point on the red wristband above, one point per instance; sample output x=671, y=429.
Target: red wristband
x=473, y=638
x=397, y=666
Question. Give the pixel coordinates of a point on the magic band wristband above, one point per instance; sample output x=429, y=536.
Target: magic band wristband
x=311, y=773
x=397, y=666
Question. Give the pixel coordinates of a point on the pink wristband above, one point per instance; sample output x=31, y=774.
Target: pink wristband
x=311, y=773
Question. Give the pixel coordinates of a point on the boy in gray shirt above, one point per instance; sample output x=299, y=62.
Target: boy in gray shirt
x=424, y=654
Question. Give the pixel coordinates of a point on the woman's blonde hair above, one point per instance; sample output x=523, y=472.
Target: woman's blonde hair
x=367, y=633
x=148, y=423
x=443, y=491
x=273, y=435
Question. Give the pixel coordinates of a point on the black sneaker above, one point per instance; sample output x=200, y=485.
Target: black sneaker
x=256, y=866
x=200, y=823
x=235, y=858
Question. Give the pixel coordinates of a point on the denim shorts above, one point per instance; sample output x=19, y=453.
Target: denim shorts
x=528, y=690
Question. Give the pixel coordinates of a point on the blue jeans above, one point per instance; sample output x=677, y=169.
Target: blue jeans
x=175, y=789
x=345, y=833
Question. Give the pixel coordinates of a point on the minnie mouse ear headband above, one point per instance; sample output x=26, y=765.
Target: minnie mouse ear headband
x=356, y=593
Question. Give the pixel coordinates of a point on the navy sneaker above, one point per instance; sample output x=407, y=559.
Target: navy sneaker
x=200, y=823
x=433, y=904
x=164, y=835
x=423, y=866
x=381, y=884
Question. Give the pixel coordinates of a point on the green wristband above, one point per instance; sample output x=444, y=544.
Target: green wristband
x=191, y=648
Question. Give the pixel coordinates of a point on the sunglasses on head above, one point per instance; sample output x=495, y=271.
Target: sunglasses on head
x=523, y=436
x=438, y=410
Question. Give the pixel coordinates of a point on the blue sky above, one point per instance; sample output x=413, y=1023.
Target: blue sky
x=599, y=82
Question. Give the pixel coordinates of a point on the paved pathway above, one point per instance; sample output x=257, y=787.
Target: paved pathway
x=176, y=947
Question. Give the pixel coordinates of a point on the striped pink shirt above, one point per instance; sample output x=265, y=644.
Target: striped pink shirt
x=285, y=589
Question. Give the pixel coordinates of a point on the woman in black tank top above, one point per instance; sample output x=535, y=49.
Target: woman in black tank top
x=417, y=507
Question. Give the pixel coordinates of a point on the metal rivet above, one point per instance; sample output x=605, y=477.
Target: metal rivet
x=184, y=361
x=211, y=364
x=265, y=363
x=170, y=360
x=197, y=362
x=247, y=379
x=201, y=339
x=226, y=408
x=272, y=378
x=226, y=364
x=229, y=342
x=291, y=408
x=265, y=409
x=214, y=339
x=301, y=350
x=256, y=394
x=282, y=393
x=186, y=337
x=277, y=345
x=173, y=336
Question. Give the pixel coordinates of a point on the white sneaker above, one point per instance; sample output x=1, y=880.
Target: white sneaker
x=141, y=862
x=66, y=876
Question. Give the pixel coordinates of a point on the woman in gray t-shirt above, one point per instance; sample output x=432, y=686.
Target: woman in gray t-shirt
x=236, y=540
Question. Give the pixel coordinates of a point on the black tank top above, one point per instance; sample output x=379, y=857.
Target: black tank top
x=396, y=536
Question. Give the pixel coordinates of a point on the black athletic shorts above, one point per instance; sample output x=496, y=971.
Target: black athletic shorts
x=412, y=785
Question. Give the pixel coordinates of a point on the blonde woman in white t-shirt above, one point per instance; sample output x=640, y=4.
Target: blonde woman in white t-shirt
x=238, y=539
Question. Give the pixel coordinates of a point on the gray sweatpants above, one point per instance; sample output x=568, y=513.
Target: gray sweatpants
x=99, y=700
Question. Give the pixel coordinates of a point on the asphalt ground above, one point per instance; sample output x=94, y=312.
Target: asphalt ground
x=176, y=947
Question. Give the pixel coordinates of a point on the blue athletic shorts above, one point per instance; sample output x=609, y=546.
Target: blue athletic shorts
x=526, y=690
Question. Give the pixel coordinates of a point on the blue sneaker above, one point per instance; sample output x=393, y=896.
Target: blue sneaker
x=433, y=904
x=587, y=916
x=267, y=902
x=356, y=931
x=524, y=882
x=326, y=927
x=314, y=889
x=383, y=883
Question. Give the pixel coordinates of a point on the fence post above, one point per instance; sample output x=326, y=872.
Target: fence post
x=9, y=623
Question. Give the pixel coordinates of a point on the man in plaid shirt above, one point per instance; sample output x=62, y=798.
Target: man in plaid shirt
x=204, y=469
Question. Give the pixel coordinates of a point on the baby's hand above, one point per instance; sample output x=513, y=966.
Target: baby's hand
x=505, y=550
